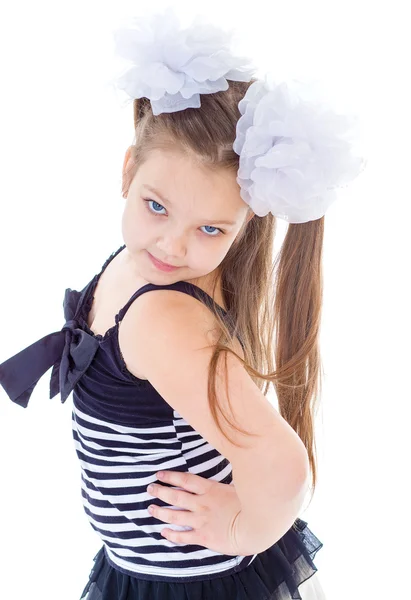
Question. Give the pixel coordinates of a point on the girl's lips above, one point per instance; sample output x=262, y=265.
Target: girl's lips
x=160, y=265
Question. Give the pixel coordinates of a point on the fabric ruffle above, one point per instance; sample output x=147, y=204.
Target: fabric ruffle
x=274, y=574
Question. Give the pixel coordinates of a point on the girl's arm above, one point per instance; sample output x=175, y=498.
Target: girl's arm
x=166, y=339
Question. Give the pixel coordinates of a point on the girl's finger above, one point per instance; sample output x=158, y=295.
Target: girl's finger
x=182, y=537
x=176, y=517
x=188, y=481
x=179, y=497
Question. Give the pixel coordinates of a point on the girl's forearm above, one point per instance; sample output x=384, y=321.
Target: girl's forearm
x=255, y=532
x=267, y=510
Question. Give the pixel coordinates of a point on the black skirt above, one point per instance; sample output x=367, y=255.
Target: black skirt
x=274, y=574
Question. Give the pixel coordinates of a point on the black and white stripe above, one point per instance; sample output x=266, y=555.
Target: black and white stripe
x=118, y=462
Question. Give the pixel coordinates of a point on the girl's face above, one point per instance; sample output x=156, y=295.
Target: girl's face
x=183, y=222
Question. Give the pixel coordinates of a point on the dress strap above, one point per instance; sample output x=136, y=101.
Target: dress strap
x=187, y=288
x=181, y=286
x=110, y=258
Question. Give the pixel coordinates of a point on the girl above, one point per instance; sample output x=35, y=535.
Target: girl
x=204, y=183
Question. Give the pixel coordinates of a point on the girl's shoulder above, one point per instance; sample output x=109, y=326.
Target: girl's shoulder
x=168, y=304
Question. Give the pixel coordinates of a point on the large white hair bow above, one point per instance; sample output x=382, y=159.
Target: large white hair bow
x=294, y=152
x=173, y=66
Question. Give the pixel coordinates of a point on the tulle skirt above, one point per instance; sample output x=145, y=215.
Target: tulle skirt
x=285, y=571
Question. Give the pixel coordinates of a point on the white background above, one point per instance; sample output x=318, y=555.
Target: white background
x=62, y=144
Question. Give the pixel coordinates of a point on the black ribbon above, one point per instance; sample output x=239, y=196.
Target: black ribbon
x=69, y=351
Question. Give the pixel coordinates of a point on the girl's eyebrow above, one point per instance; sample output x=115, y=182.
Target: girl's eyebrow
x=164, y=199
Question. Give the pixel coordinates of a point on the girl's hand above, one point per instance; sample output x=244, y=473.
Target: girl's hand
x=211, y=507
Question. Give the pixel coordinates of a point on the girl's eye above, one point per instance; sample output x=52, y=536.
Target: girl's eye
x=156, y=212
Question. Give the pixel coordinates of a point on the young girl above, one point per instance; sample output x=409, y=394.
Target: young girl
x=169, y=388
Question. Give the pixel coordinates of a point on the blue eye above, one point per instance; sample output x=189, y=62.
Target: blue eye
x=215, y=228
x=154, y=203
x=156, y=212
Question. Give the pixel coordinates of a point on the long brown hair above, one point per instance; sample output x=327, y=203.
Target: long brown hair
x=261, y=295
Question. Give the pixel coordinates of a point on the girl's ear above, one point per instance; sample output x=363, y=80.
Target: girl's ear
x=127, y=157
x=126, y=167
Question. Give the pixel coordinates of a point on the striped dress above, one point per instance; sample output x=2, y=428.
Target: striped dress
x=124, y=432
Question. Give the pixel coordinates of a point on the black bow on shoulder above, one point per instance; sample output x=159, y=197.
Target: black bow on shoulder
x=70, y=350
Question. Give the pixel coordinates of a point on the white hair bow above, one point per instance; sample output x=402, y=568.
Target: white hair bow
x=294, y=152
x=173, y=66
